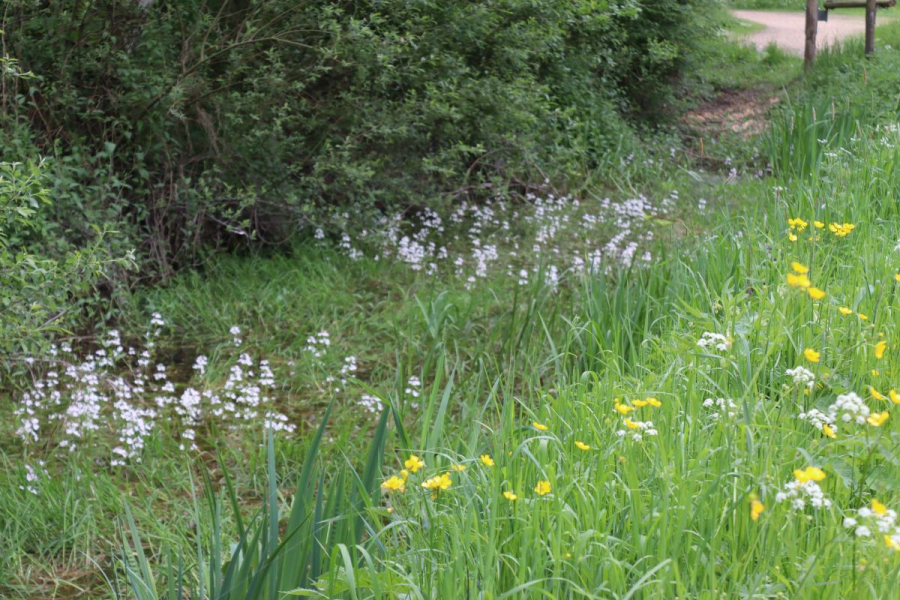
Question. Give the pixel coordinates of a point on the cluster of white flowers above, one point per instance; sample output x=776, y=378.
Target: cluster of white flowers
x=802, y=492
x=318, y=344
x=412, y=387
x=878, y=518
x=482, y=238
x=714, y=340
x=33, y=476
x=370, y=404
x=721, y=407
x=818, y=419
x=849, y=408
x=636, y=430
x=802, y=377
x=122, y=390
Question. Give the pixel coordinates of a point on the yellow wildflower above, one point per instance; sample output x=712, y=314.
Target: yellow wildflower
x=623, y=409
x=458, y=468
x=414, y=463
x=878, y=508
x=438, y=483
x=875, y=373
x=880, y=347
x=818, y=224
x=486, y=460
x=877, y=419
x=654, y=402
x=582, y=446
x=394, y=484
x=639, y=403
x=897, y=277
x=800, y=281
x=844, y=310
x=540, y=426
x=799, y=268
x=815, y=293
x=809, y=474
x=889, y=541
x=510, y=496
x=862, y=317
x=797, y=223
x=827, y=431
x=792, y=237
x=404, y=474
x=876, y=394
x=811, y=355
x=841, y=229
x=631, y=424
x=542, y=487
x=895, y=397
x=756, y=509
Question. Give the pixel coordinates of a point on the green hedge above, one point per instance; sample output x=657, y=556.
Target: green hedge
x=185, y=123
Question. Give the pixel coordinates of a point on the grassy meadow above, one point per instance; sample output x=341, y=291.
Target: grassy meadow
x=684, y=384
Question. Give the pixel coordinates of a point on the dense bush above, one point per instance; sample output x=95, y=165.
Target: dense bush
x=185, y=123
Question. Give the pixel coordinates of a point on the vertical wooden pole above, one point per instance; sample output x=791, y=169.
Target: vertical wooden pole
x=812, y=24
x=870, y=26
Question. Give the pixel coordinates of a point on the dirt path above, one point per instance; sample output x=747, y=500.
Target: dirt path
x=786, y=29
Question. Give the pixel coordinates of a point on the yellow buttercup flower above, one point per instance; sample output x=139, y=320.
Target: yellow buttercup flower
x=827, y=431
x=818, y=224
x=414, y=463
x=756, y=509
x=815, y=293
x=811, y=355
x=844, y=310
x=809, y=474
x=542, y=488
x=878, y=419
x=878, y=508
x=631, y=424
x=799, y=268
x=797, y=223
x=486, y=460
x=540, y=426
x=639, y=403
x=880, y=347
x=792, y=237
x=582, y=446
x=404, y=474
x=800, y=281
x=862, y=317
x=438, y=483
x=895, y=397
x=510, y=496
x=841, y=229
x=897, y=277
x=890, y=543
x=458, y=468
x=654, y=402
x=394, y=484
x=876, y=394
x=623, y=409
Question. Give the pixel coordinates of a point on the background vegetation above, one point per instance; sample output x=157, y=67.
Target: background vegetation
x=234, y=126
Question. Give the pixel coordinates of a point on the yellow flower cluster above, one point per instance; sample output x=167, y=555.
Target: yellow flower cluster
x=799, y=279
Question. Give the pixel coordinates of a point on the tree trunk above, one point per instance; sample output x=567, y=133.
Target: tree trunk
x=812, y=24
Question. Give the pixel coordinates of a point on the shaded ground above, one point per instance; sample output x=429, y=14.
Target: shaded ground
x=786, y=29
x=739, y=111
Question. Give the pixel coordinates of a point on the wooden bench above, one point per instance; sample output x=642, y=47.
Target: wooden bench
x=832, y=4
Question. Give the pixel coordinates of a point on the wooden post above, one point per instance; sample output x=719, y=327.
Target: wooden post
x=870, y=26
x=812, y=24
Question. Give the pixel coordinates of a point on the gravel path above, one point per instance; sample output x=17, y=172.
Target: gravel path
x=787, y=29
